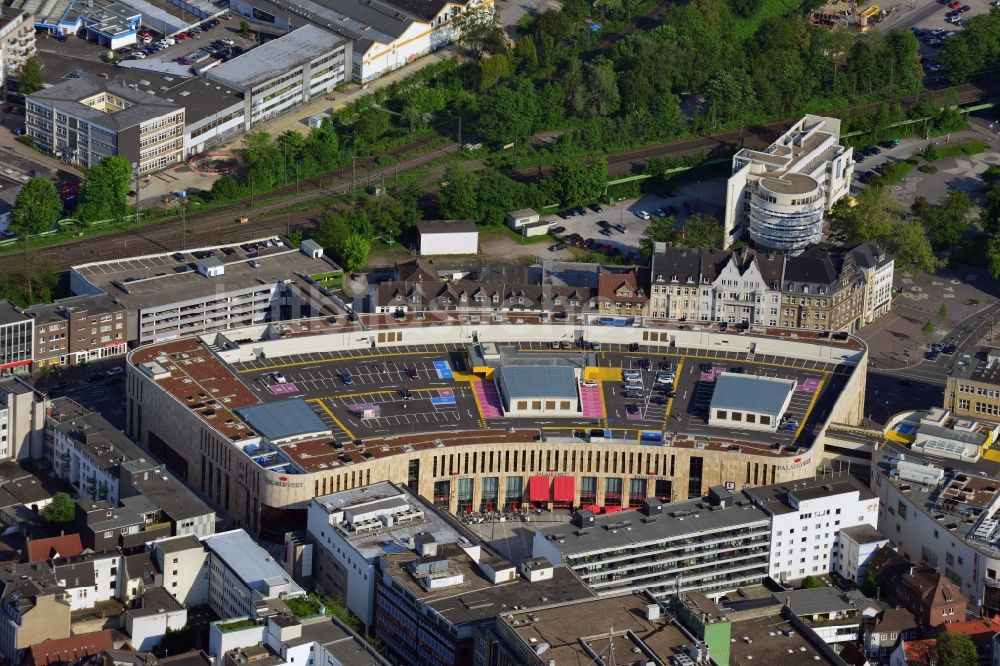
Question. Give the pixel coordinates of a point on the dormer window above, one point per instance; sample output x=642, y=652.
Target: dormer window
x=822, y=290
x=496, y=298
x=464, y=297
x=673, y=278
x=556, y=301
x=805, y=289
x=659, y=277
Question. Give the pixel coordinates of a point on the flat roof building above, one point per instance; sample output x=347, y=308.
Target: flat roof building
x=306, y=63
x=17, y=335
x=749, y=401
x=448, y=237
x=665, y=548
x=86, y=119
x=973, y=387
x=532, y=390
x=169, y=296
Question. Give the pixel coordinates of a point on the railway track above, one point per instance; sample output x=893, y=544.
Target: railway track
x=218, y=226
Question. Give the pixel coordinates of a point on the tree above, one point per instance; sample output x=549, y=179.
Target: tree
x=244, y=27
x=945, y=221
x=354, y=251
x=479, y=30
x=36, y=209
x=956, y=650
x=876, y=216
x=457, y=198
x=574, y=182
x=105, y=190
x=703, y=231
x=928, y=328
x=810, y=582
x=61, y=509
x=30, y=78
x=509, y=114
x=659, y=230
x=993, y=256
x=872, y=583
x=942, y=312
x=729, y=95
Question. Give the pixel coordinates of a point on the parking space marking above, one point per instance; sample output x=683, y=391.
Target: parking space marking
x=350, y=435
x=805, y=417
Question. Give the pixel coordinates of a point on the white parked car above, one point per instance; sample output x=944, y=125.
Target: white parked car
x=642, y=215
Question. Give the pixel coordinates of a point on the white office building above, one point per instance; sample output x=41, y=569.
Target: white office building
x=351, y=530
x=806, y=516
x=776, y=198
x=243, y=576
x=855, y=547
x=306, y=63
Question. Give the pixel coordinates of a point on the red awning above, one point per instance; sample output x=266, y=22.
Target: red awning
x=538, y=489
x=562, y=489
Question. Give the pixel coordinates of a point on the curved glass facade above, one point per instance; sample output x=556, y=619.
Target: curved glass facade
x=785, y=222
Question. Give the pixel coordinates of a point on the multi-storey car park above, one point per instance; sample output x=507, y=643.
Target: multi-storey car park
x=263, y=418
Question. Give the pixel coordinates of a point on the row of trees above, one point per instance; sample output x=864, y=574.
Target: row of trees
x=973, y=51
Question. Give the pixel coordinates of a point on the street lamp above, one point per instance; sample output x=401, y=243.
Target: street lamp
x=183, y=197
x=135, y=172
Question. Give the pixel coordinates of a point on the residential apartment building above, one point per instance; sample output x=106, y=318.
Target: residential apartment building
x=713, y=546
x=22, y=417
x=973, y=386
x=776, y=198
x=304, y=64
x=418, y=286
x=32, y=608
x=79, y=329
x=183, y=562
x=285, y=638
x=622, y=294
x=243, y=577
x=856, y=548
x=17, y=335
x=17, y=44
x=932, y=598
x=85, y=119
x=946, y=518
x=824, y=288
x=806, y=516
x=415, y=610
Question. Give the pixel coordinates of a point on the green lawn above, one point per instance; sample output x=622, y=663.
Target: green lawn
x=331, y=280
x=899, y=171
x=956, y=148
x=236, y=625
x=303, y=606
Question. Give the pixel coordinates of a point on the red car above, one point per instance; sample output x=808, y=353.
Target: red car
x=955, y=4
x=181, y=36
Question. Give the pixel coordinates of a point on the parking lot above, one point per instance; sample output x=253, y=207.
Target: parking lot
x=427, y=388
x=628, y=215
x=60, y=58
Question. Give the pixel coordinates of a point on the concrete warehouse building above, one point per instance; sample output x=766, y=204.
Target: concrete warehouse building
x=448, y=237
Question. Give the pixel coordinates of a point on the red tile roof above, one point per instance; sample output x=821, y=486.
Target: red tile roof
x=980, y=631
x=608, y=285
x=920, y=653
x=69, y=650
x=67, y=545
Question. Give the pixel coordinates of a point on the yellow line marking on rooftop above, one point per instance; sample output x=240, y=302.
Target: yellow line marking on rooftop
x=333, y=416
x=670, y=401
x=347, y=359
x=604, y=404
x=812, y=403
